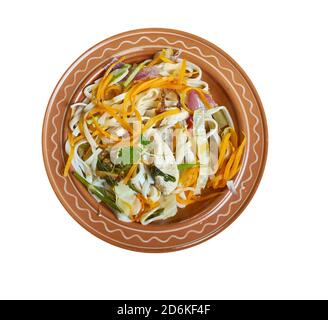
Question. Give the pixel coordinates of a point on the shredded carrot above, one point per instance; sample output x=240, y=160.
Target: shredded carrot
x=183, y=201
x=95, y=133
x=160, y=57
x=142, y=202
x=165, y=82
x=219, y=182
x=228, y=165
x=103, y=131
x=130, y=173
x=223, y=148
x=138, y=115
x=235, y=167
x=131, y=96
x=192, y=177
x=149, y=203
x=77, y=139
x=218, y=179
x=94, y=111
x=103, y=145
x=196, y=175
x=163, y=57
x=190, y=195
x=152, y=205
x=189, y=177
x=154, y=61
x=120, y=120
x=153, y=83
x=105, y=80
x=101, y=88
x=133, y=110
x=234, y=138
x=148, y=206
x=230, y=162
x=159, y=117
x=182, y=72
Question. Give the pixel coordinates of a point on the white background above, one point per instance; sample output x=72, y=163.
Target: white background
x=278, y=246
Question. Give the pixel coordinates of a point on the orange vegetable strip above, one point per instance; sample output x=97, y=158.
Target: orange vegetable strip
x=223, y=148
x=182, y=72
x=130, y=173
x=159, y=117
x=235, y=168
x=228, y=166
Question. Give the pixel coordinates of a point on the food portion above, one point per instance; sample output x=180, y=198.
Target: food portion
x=148, y=139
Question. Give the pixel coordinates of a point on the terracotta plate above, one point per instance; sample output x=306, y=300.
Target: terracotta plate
x=229, y=85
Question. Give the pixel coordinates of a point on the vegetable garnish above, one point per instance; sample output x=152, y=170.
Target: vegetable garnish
x=184, y=166
x=130, y=173
x=97, y=192
x=134, y=73
x=159, y=117
x=157, y=172
x=182, y=73
x=144, y=141
x=149, y=138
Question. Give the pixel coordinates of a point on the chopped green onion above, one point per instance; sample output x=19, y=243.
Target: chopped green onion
x=119, y=72
x=157, y=172
x=134, y=73
x=131, y=186
x=144, y=142
x=97, y=192
x=155, y=213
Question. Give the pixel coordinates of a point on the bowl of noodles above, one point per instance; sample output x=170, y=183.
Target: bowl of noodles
x=154, y=140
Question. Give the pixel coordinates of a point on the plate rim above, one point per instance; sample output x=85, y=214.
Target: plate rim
x=204, y=236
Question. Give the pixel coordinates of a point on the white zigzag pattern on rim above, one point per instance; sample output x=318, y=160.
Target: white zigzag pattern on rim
x=155, y=237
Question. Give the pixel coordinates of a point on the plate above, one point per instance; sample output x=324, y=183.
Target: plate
x=229, y=86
